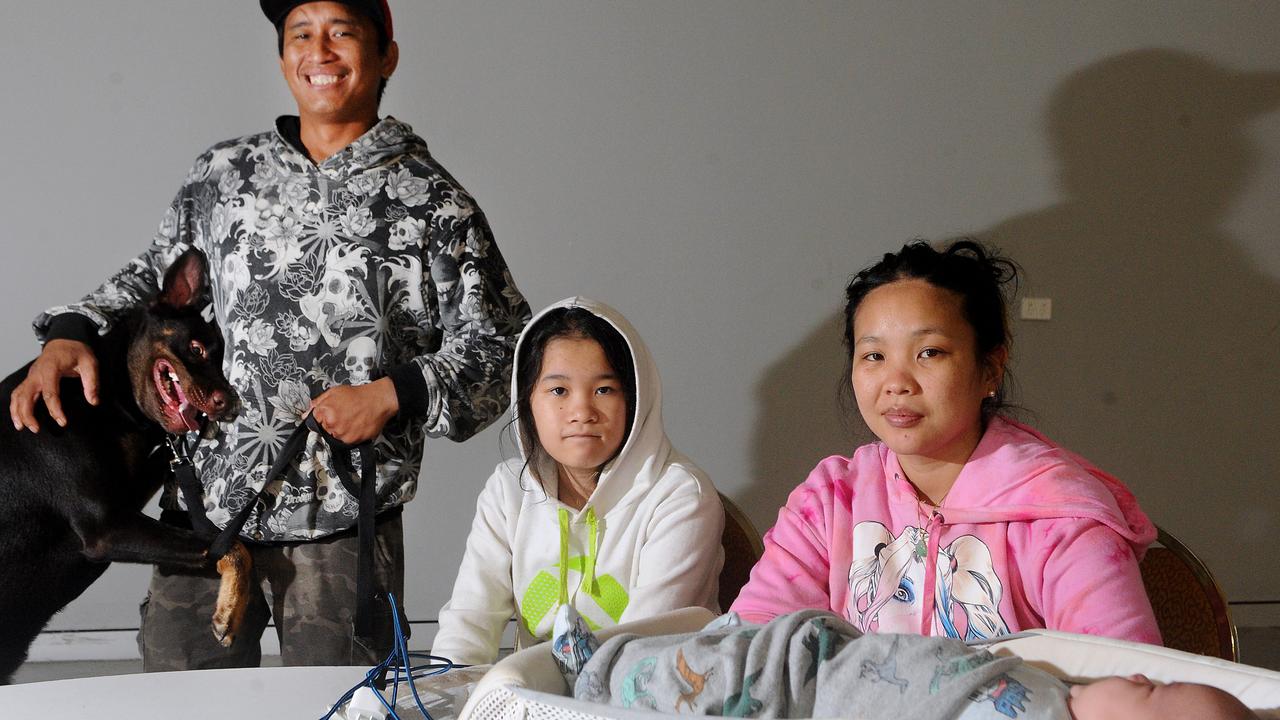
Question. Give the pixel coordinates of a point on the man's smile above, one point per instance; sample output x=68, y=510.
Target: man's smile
x=323, y=80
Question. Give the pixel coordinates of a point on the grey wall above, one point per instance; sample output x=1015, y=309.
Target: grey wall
x=717, y=169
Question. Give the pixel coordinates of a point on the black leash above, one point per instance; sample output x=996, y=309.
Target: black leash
x=193, y=494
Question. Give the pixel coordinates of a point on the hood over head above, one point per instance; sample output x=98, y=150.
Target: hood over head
x=645, y=450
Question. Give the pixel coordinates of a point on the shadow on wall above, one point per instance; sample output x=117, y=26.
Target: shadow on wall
x=1160, y=361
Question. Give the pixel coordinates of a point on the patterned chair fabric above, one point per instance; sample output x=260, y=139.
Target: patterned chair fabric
x=1191, y=609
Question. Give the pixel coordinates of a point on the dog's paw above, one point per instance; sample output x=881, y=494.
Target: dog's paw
x=236, y=569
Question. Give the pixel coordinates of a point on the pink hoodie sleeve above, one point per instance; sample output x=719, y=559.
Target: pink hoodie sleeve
x=794, y=572
x=1090, y=582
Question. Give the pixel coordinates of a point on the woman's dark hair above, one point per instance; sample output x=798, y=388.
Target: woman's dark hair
x=978, y=275
x=572, y=323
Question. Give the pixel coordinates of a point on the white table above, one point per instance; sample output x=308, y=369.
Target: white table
x=280, y=693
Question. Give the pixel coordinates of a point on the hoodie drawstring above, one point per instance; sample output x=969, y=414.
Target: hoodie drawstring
x=564, y=556
x=934, y=530
x=589, y=584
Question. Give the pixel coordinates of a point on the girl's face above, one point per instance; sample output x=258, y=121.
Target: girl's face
x=916, y=374
x=578, y=405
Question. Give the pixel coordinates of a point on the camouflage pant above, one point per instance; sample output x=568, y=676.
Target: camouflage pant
x=309, y=589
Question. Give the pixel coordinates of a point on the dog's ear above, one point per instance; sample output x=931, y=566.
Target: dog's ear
x=185, y=281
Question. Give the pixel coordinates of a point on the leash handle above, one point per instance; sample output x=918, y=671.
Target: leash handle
x=366, y=592
x=292, y=447
x=366, y=492
x=289, y=451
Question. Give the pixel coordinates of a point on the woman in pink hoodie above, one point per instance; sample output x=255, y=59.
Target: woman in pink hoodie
x=959, y=521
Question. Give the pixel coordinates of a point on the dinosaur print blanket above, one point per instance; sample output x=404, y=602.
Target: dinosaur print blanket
x=814, y=664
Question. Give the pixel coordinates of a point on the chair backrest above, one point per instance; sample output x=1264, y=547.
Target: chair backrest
x=1191, y=609
x=742, y=548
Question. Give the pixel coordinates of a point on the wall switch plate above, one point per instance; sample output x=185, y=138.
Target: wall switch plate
x=1037, y=308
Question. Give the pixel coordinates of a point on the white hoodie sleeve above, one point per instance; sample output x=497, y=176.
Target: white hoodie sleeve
x=472, y=622
x=680, y=559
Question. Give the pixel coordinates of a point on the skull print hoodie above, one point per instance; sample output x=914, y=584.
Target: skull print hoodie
x=647, y=540
x=373, y=263
x=1029, y=536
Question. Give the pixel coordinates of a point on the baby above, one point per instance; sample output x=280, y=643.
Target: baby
x=814, y=664
x=1138, y=697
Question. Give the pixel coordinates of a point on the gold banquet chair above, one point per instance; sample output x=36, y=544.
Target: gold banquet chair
x=742, y=548
x=1191, y=609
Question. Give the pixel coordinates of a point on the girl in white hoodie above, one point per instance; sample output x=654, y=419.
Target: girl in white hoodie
x=599, y=511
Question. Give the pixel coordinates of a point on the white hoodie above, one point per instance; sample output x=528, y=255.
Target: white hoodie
x=647, y=540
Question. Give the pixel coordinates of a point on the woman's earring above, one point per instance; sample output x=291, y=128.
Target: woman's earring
x=991, y=394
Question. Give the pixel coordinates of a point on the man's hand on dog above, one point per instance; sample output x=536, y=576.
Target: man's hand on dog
x=59, y=359
x=356, y=413
x=350, y=413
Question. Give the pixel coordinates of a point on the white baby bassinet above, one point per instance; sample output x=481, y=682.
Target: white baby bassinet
x=528, y=686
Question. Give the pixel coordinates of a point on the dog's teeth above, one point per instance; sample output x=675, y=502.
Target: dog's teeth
x=173, y=377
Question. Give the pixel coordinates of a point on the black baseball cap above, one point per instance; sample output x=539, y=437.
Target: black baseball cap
x=377, y=10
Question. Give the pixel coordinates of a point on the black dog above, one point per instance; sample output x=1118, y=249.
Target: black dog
x=71, y=498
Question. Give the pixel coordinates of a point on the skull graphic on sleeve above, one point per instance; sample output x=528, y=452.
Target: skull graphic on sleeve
x=361, y=355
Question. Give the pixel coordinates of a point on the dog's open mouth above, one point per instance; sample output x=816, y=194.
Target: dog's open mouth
x=173, y=399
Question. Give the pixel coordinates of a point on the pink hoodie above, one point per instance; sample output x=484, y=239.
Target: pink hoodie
x=1029, y=536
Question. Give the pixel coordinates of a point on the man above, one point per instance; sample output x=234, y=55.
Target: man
x=321, y=238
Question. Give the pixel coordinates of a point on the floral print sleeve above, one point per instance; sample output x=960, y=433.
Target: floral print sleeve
x=373, y=263
x=479, y=315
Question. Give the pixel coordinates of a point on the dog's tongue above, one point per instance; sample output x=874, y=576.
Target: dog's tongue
x=182, y=407
x=187, y=411
x=189, y=414
x=182, y=396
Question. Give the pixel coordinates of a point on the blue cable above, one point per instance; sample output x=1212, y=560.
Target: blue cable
x=399, y=660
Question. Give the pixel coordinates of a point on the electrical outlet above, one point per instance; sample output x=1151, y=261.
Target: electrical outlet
x=1037, y=308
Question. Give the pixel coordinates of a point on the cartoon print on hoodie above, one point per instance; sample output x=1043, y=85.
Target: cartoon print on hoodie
x=886, y=584
x=647, y=540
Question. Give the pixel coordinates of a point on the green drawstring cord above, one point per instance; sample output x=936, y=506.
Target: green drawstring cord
x=564, y=556
x=589, y=584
